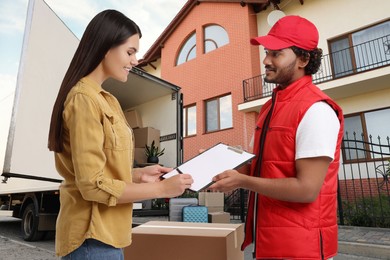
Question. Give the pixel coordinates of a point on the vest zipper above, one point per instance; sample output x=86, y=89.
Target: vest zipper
x=321, y=246
x=258, y=169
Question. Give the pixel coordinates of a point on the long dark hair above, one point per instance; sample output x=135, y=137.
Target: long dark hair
x=106, y=30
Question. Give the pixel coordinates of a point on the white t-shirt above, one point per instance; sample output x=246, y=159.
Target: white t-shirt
x=317, y=132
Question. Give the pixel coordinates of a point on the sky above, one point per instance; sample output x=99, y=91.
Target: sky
x=152, y=16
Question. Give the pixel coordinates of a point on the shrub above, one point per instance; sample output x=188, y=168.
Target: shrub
x=368, y=212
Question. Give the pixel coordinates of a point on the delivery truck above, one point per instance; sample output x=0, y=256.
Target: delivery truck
x=29, y=186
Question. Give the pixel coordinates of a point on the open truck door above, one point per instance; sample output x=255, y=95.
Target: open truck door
x=30, y=182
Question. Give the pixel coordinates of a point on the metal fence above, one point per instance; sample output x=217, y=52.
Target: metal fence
x=364, y=181
x=363, y=185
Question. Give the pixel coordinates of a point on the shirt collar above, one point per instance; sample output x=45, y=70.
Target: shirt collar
x=94, y=85
x=291, y=89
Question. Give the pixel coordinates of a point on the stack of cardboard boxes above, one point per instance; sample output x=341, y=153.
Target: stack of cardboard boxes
x=142, y=135
x=215, y=202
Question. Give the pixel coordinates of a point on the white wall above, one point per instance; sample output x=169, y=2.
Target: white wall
x=365, y=102
x=48, y=47
x=332, y=17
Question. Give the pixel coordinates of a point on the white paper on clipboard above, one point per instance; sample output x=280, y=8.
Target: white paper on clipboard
x=211, y=162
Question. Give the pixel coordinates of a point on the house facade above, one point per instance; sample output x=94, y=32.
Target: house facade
x=355, y=72
x=354, y=37
x=206, y=51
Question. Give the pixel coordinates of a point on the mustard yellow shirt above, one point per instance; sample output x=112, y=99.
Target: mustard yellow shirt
x=96, y=164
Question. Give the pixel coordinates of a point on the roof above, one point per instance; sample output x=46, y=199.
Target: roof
x=154, y=51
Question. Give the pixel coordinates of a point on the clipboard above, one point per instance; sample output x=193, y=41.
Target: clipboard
x=211, y=162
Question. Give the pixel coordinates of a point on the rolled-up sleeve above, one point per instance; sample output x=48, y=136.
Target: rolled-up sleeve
x=86, y=137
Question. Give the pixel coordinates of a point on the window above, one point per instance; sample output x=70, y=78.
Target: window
x=214, y=37
x=189, y=121
x=219, y=113
x=362, y=50
x=188, y=50
x=366, y=135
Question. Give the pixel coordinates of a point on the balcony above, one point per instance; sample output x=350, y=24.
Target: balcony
x=335, y=76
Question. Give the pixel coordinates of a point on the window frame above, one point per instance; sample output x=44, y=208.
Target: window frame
x=213, y=40
x=183, y=45
x=366, y=139
x=353, y=59
x=217, y=98
x=185, y=120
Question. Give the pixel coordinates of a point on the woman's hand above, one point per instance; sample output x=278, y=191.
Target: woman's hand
x=167, y=188
x=176, y=185
x=150, y=173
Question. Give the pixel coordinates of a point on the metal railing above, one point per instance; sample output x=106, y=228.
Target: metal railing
x=363, y=184
x=346, y=62
x=236, y=204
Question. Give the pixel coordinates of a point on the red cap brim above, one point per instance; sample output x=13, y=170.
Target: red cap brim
x=270, y=42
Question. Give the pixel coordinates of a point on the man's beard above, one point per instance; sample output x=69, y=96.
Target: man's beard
x=284, y=75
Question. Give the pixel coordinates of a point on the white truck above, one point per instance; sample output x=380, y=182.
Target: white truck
x=29, y=187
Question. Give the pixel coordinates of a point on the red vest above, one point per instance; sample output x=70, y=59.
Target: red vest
x=290, y=230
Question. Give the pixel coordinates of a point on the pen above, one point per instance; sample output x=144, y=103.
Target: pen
x=177, y=169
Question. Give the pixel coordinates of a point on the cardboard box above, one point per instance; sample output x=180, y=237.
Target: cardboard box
x=145, y=136
x=219, y=217
x=165, y=240
x=133, y=118
x=211, y=199
x=215, y=209
x=139, y=155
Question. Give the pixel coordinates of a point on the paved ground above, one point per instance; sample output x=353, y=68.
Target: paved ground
x=378, y=236
x=363, y=241
x=355, y=243
x=15, y=250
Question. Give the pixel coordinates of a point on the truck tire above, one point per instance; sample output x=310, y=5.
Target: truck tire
x=30, y=223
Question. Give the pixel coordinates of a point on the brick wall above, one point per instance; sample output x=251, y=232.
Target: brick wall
x=215, y=73
x=351, y=190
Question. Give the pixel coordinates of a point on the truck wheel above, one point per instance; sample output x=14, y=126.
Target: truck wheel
x=30, y=224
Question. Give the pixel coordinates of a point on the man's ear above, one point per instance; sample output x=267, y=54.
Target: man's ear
x=303, y=61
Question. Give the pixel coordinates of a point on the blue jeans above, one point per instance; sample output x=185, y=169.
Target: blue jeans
x=93, y=249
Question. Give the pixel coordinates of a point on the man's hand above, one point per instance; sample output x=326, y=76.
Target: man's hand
x=227, y=181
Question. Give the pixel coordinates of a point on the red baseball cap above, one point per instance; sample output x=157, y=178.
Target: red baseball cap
x=290, y=31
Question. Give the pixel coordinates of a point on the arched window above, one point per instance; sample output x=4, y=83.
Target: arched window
x=188, y=50
x=215, y=36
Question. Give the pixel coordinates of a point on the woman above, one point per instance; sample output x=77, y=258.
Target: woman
x=93, y=146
